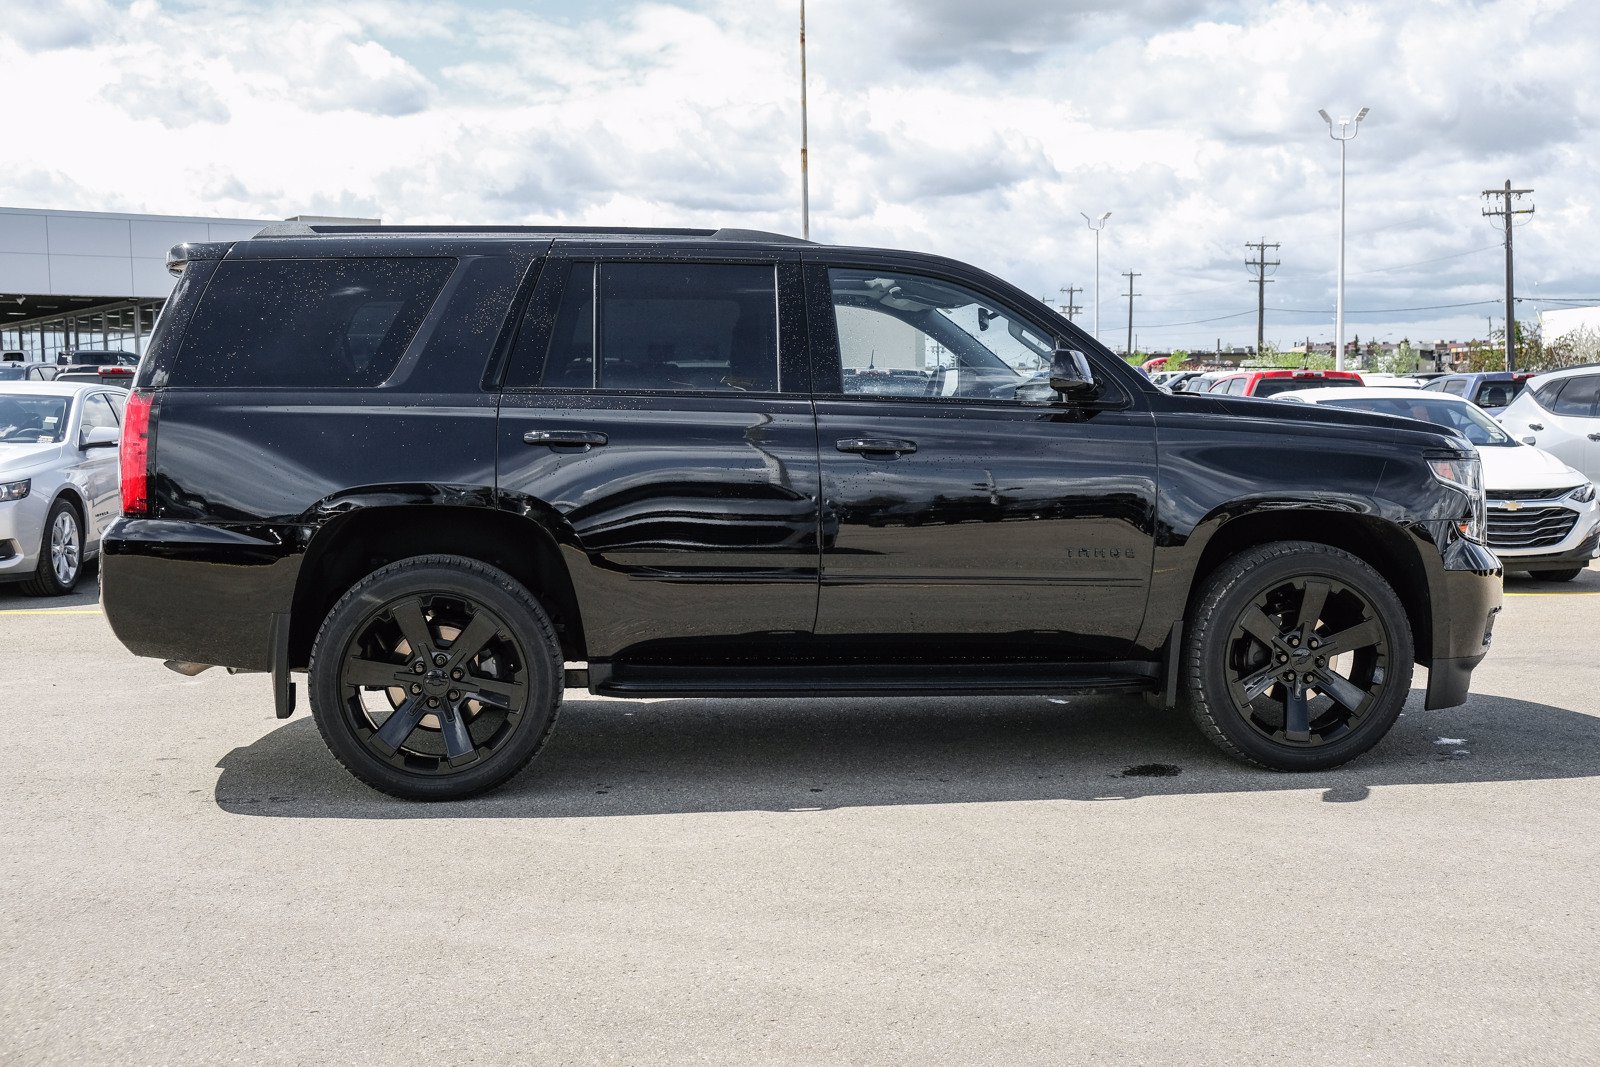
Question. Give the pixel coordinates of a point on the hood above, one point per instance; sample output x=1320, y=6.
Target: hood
x=1525, y=467
x=1324, y=418
x=19, y=459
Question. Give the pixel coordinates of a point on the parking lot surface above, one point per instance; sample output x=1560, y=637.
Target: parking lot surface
x=189, y=880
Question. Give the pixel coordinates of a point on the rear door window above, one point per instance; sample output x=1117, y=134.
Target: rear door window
x=1579, y=397
x=334, y=323
x=661, y=327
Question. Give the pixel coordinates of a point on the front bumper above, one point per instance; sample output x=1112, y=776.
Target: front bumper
x=1577, y=555
x=1515, y=521
x=21, y=535
x=1467, y=597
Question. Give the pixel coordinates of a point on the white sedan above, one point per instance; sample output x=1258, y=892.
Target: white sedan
x=1543, y=518
x=58, y=480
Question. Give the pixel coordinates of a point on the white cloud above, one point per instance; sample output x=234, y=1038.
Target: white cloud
x=979, y=131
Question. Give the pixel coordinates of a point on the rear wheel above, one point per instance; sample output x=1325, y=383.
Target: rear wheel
x=60, y=553
x=435, y=678
x=1564, y=575
x=1299, y=657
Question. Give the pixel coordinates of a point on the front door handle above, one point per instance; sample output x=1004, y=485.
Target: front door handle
x=874, y=446
x=584, y=439
x=1535, y=425
x=1594, y=437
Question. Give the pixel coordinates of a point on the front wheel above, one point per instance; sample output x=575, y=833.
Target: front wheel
x=60, y=553
x=435, y=678
x=1298, y=656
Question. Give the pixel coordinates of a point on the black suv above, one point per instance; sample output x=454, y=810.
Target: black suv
x=448, y=472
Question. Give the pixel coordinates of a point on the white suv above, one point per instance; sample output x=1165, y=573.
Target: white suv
x=1560, y=413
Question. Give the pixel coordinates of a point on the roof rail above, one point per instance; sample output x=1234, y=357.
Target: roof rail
x=300, y=229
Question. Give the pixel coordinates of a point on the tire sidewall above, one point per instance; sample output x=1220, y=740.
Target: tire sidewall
x=49, y=584
x=494, y=591
x=1243, y=586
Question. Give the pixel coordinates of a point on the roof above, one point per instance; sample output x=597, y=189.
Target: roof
x=300, y=229
x=1564, y=372
x=55, y=388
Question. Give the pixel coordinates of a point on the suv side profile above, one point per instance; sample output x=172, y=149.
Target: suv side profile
x=1560, y=413
x=455, y=471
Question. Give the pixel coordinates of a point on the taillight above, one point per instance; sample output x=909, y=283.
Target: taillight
x=134, y=453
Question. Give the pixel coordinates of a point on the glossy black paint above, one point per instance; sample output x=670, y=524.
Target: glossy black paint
x=730, y=527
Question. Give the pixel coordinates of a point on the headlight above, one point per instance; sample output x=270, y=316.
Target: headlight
x=18, y=490
x=1463, y=472
x=1583, y=494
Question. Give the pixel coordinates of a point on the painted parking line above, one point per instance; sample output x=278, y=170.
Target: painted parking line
x=1565, y=592
x=51, y=611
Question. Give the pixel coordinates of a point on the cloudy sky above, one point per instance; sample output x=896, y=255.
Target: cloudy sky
x=978, y=130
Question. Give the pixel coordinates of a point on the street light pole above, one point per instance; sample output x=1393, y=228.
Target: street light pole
x=1097, y=224
x=805, y=172
x=1348, y=128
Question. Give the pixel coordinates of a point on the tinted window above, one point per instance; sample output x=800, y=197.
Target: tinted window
x=569, y=357
x=1578, y=397
x=688, y=326
x=1274, y=386
x=1455, y=387
x=906, y=335
x=308, y=323
x=1497, y=394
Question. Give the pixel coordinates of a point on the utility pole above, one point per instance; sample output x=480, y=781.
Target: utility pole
x=1260, y=265
x=1070, y=308
x=1130, y=294
x=1508, y=195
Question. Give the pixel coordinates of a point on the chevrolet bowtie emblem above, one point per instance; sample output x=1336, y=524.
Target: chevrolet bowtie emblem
x=1513, y=505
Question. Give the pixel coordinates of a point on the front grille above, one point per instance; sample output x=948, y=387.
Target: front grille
x=1527, y=494
x=1530, y=527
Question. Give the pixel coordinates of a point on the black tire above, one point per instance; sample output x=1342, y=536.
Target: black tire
x=1565, y=575
x=47, y=579
x=1248, y=630
x=494, y=704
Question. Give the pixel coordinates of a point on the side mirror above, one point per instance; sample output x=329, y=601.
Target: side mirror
x=1070, y=374
x=1529, y=440
x=100, y=437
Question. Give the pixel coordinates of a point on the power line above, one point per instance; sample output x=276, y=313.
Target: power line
x=1071, y=308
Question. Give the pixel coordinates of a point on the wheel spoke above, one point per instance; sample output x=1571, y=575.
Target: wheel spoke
x=1259, y=682
x=375, y=673
x=1340, y=688
x=509, y=695
x=472, y=640
x=408, y=616
x=1257, y=625
x=1316, y=595
x=1364, y=633
x=1296, y=714
x=458, y=746
x=399, y=726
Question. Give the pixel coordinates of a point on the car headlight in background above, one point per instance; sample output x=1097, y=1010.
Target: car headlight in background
x=1463, y=472
x=1583, y=494
x=18, y=490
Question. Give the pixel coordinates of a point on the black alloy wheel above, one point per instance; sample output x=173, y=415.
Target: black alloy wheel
x=1300, y=657
x=436, y=677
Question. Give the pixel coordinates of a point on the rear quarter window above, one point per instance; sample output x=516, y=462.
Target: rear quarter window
x=335, y=323
x=1580, y=396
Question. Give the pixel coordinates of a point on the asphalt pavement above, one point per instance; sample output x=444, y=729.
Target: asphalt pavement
x=1017, y=880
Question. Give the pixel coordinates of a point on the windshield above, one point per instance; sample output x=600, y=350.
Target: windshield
x=10, y=372
x=1479, y=428
x=32, y=419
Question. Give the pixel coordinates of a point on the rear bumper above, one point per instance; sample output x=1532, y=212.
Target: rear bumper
x=1467, y=598
x=185, y=591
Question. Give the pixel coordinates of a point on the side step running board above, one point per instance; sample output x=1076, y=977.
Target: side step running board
x=636, y=680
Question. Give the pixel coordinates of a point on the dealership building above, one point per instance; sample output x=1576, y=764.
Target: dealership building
x=96, y=280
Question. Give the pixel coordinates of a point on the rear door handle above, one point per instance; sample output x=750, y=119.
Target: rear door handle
x=585, y=439
x=874, y=446
x=1535, y=425
x=1594, y=437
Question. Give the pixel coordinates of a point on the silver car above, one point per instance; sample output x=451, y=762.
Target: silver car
x=58, y=480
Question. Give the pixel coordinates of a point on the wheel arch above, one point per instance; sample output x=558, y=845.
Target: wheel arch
x=1383, y=545
x=352, y=546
